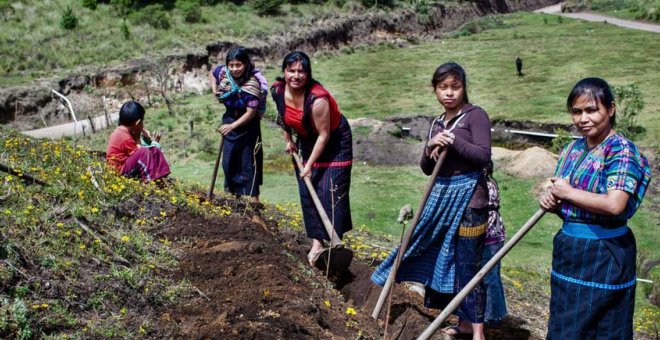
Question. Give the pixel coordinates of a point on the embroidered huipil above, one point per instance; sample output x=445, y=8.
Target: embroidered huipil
x=614, y=164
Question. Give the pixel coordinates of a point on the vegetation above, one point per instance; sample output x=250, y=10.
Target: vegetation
x=629, y=105
x=627, y=9
x=31, y=49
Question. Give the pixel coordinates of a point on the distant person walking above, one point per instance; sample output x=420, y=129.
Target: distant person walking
x=519, y=66
x=308, y=111
x=242, y=89
x=599, y=183
x=495, y=237
x=446, y=246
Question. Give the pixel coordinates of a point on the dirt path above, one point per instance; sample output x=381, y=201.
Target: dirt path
x=589, y=16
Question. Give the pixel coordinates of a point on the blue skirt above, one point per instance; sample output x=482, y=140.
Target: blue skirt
x=469, y=250
x=242, y=163
x=331, y=178
x=592, y=287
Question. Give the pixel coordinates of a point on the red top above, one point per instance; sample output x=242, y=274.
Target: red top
x=293, y=117
x=120, y=146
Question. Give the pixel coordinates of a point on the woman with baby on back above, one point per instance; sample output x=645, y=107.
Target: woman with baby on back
x=242, y=89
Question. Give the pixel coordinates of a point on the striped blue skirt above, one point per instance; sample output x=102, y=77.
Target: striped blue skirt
x=592, y=286
x=431, y=255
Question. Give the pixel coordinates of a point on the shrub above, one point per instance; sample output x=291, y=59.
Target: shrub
x=125, y=31
x=153, y=15
x=91, y=4
x=122, y=7
x=629, y=104
x=6, y=9
x=190, y=10
x=378, y=3
x=559, y=142
x=267, y=7
x=68, y=21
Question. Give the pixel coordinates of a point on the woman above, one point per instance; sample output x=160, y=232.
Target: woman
x=306, y=109
x=240, y=90
x=446, y=247
x=598, y=185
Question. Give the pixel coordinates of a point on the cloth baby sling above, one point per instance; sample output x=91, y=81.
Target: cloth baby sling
x=252, y=87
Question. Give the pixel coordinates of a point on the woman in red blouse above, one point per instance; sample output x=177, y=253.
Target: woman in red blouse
x=307, y=111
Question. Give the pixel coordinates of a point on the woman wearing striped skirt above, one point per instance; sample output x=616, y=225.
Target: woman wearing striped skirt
x=447, y=244
x=306, y=109
x=598, y=185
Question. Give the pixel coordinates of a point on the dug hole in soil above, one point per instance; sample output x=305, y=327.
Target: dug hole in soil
x=251, y=280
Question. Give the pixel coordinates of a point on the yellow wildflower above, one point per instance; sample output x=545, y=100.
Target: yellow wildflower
x=125, y=238
x=351, y=311
x=327, y=303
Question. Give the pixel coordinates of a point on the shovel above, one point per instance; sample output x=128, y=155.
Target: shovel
x=453, y=304
x=215, y=168
x=406, y=238
x=336, y=256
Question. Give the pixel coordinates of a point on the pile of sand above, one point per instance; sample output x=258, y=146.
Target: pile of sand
x=534, y=162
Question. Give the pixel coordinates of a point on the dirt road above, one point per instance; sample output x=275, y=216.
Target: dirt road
x=589, y=16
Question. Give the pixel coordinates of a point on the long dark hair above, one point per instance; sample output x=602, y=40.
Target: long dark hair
x=240, y=54
x=451, y=69
x=299, y=56
x=596, y=89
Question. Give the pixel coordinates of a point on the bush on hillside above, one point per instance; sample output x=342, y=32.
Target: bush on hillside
x=122, y=7
x=125, y=30
x=378, y=3
x=267, y=7
x=91, y=4
x=6, y=9
x=562, y=139
x=68, y=21
x=629, y=104
x=153, y=15
x=190, y=10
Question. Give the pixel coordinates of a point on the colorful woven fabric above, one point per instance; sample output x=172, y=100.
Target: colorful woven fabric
x=592, y=288
x=431, y=255
x=614, y=164
x=469, y=251
x=495, y=232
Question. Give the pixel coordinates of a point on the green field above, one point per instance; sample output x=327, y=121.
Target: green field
x=33, y=44
x=383, y=80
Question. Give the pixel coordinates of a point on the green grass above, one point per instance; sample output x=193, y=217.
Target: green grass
x=33, y=45
x=380, y=82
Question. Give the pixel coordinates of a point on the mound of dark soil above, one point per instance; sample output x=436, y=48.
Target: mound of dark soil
x=250, y=280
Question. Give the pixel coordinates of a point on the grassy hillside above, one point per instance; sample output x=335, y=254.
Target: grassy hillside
x=34, y=44
x=556, y=54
